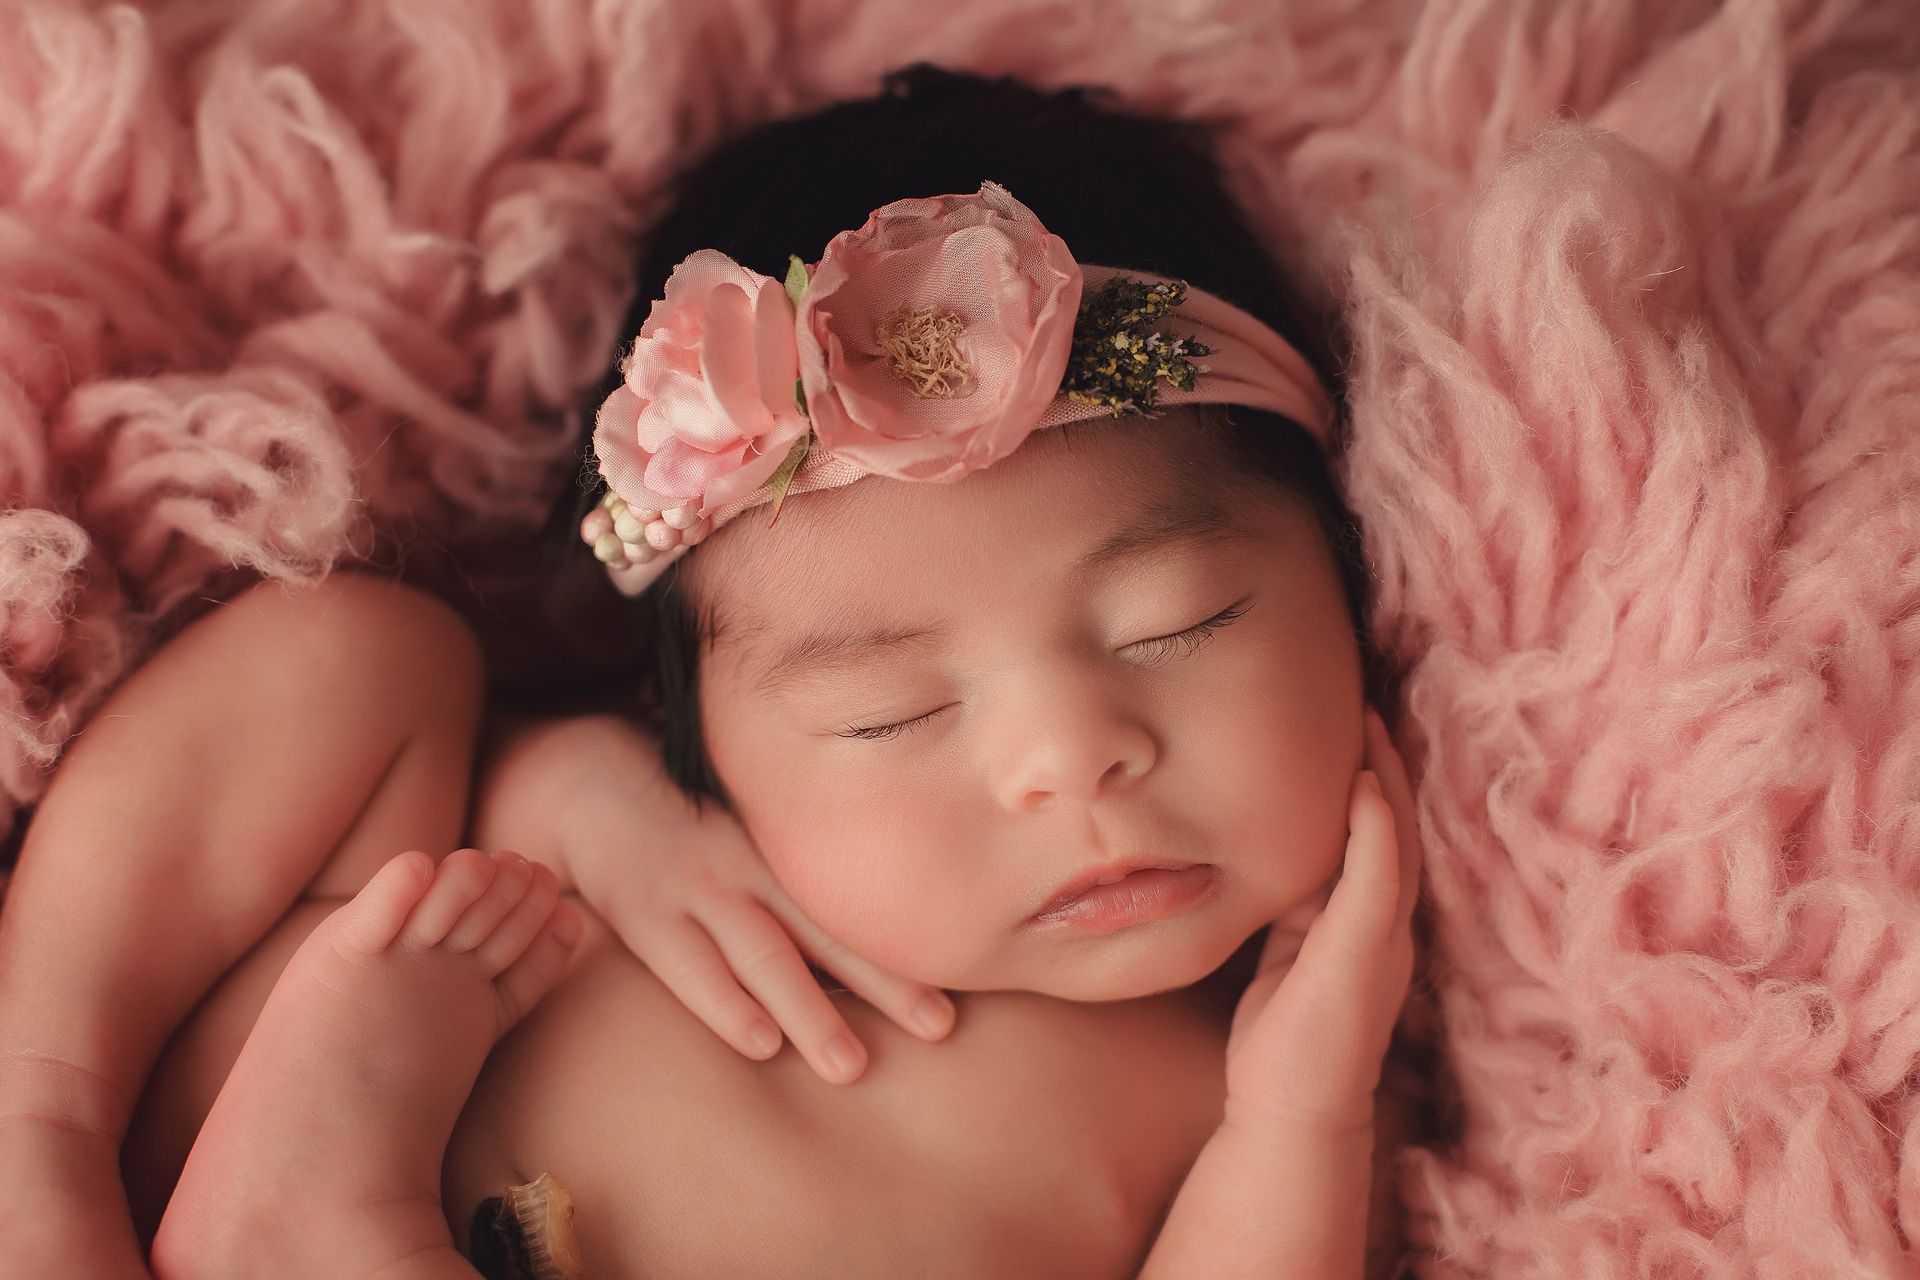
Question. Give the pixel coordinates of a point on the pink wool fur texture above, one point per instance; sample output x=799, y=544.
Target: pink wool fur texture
x=1633, y=290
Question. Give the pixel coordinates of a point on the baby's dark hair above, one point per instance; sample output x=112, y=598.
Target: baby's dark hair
x=1120, y=189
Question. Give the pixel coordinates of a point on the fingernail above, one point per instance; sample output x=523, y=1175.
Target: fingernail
x=933, y=1014
x=763, y=1039
x=843, y=1056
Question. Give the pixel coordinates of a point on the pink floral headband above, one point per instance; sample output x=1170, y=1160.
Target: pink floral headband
x=925, y=345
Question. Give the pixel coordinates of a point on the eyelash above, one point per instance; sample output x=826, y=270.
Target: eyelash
x=1193, y=637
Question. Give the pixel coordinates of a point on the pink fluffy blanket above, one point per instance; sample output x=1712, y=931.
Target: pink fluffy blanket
x=1634, y=287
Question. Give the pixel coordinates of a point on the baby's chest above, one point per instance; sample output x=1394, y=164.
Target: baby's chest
x=1041, y=1139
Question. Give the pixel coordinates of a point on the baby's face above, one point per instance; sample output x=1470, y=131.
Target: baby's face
x=1044, y=724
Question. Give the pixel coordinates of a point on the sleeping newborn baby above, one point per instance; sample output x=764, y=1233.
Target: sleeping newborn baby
x=1046, y=1136
x=1058, y=714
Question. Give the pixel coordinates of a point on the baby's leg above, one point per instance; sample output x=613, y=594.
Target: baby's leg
x=279, y=738
x=322, y=1154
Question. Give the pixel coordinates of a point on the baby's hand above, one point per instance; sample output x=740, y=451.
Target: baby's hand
x=705, y=914
x=1312, y=1028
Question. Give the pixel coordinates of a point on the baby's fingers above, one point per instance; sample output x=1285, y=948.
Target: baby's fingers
x=925, y=1011
x=688, y=963
x=1383, y=758
x=764, y=957
x=1364, y=911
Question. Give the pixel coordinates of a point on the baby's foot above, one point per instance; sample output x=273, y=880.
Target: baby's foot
x=322, y=1153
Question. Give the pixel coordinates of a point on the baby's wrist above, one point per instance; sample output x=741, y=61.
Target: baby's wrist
x=619, y=793
x=1274, y=1121
x=1295, y=1135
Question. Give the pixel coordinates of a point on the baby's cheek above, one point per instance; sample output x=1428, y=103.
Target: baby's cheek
x=851, y=895
x=1275, y=843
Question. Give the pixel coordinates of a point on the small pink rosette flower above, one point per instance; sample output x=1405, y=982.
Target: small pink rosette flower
x=707, y=413
x=932, y=339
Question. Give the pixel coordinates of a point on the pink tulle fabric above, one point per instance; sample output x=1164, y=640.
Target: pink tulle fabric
x=1634, y=287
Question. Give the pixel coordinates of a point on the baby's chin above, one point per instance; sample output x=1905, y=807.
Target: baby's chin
x=1149, y=960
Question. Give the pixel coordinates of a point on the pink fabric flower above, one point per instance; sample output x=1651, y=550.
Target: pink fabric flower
x=983, y=260
x=707, y=412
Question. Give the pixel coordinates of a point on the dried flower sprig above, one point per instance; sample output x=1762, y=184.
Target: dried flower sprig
x=1117, y=360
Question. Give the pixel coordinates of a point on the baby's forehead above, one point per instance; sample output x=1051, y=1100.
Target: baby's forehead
x=881, y=538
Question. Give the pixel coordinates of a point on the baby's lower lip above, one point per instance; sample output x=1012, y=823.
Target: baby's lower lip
x=1152, y=893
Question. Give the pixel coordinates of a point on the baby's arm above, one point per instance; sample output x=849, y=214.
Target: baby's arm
x=540, y=785
x=279, y=734
x=1282, y=1200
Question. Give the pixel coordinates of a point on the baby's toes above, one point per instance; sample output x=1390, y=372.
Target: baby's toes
x=458, y=882
x=512, y=874
x=516, y=932
x=528, y=979
x=369, y=924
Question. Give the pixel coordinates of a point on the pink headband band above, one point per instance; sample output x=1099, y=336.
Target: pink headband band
x=927, y=344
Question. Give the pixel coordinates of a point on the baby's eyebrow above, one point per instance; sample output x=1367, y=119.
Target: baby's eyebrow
x=1187, y=516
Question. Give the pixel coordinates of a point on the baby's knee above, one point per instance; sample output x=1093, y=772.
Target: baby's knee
x=354, y=628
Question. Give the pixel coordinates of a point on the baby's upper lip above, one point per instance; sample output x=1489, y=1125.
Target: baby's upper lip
x=1109, y=872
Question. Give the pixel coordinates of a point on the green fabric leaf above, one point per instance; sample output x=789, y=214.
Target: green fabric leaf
x=784, y=476
x=796, y=289
x=796, y=279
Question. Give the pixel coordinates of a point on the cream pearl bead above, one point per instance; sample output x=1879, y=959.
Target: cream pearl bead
x=607, y=548
x=629, y=529
x=681, y=517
